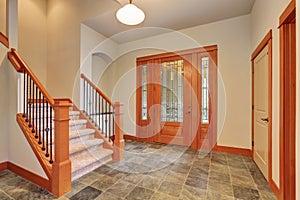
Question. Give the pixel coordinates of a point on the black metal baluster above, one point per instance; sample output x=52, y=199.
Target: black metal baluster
x=106, y=133
x=47, y=129
x=93, y=105
x=24, y=94
x=109, y=122
x=27, y=90
x=40, y=113
x=99, y=111
x=84, y=95
x=113, y=120
x=33, y=107
x=51, y=139
x=30, y=104
x=36, y=112
x=88, y=100
x=102, y=118
x=43, y=147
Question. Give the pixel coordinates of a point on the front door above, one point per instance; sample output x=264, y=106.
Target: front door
x=175, y=100
x=175, y=96
x=261, y=118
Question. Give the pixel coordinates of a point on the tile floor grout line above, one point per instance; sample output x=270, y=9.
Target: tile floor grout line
x=7, y=194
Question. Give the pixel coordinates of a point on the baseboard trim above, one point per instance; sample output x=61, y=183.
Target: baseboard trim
x=233, y=150
x=130, y=137
x=274, y=188
x=3, y=166
x=24, y=173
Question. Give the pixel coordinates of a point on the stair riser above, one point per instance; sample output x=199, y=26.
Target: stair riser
x=77, y=127
x=90, y=149
x=81, y=138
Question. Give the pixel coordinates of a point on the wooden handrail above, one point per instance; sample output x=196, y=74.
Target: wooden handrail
x=4, y=40
x=97, y=89
x=20, y=66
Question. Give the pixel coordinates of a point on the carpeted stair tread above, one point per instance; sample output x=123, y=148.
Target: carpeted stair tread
x=89, y=160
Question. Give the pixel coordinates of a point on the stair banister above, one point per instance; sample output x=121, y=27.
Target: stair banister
x=105, y=114
x=58, y=168
x=23, y=66
x=96, y=88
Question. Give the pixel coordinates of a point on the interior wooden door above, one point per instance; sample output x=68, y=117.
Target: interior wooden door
x=261, y=118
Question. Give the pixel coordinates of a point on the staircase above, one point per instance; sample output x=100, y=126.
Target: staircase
x=67, y=149
x=86, y=151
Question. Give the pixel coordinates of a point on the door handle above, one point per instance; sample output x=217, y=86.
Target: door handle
x=265, y=119
x=189, y=109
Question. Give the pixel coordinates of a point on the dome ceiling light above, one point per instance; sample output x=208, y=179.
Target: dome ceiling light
x=130, y=14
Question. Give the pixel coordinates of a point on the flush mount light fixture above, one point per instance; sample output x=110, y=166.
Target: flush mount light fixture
x=130, y=14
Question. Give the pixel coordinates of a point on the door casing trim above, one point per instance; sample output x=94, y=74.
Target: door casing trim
x=267, y=41
x=287, y=102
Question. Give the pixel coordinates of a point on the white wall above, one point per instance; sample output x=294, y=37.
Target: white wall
x=234, y=49
x=265, y=16
x=297, y=102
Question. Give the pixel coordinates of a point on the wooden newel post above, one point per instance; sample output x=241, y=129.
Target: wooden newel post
x=119, y=136
x=62, y=172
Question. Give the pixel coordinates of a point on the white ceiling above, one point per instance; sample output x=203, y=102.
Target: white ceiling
x=169, y=14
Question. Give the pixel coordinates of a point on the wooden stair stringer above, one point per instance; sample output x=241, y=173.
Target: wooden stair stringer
x=33, y=142
x=91, y=125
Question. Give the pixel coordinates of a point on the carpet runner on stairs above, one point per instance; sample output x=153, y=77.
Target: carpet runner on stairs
x=86, y=151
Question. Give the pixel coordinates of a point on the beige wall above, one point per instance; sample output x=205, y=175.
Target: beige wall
x=64, y=18
x=298, y=103
x=265, y=16
x=32, y=39
x=89, y=39
x=233, y=39
x=3, y=105
x=3, y=16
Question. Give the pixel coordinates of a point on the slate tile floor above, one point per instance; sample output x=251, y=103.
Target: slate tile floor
x=157, y=172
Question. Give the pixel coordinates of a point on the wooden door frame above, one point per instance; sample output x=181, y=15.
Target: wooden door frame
x=267, y=41
x=212, y=53
x=287, y=102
